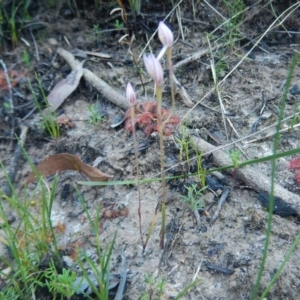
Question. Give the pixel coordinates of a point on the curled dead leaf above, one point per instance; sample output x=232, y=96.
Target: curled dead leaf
x=64, y=88
x=62, y=162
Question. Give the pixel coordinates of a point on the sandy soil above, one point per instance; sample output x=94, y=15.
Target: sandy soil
x=226, y=255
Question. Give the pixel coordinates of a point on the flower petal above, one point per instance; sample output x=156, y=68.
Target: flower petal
x=130, y=94
x=165, y=35
x=154, y=68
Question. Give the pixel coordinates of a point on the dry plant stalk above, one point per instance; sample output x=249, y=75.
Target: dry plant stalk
x=131, y=98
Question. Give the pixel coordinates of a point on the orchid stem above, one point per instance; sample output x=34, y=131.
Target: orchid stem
x=169, y=59
x=132, y=115
x=162, y=158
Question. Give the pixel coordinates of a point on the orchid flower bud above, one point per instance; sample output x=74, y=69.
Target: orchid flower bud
x=165, y=35
x=154, y=68
x=130, y=94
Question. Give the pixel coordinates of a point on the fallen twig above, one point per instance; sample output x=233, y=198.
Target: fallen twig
x=197, y=217
x=101, y=86
x=220, y=204
x=179, y=89
x=250, y=175
x=195, y=56
x=37, y=56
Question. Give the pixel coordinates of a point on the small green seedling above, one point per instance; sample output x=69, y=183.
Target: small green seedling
x=49, y=122
x=201, y=171
x=118, y=24
x=194, y=197
x=60, y=283
x=7, y=105
x=184, y=145
x=26, y=58
x=236, y=13
x=235, y=156
x=135, y=6
x=96, y=31
x=95, y=116
x=155, y=287
x=296, y=118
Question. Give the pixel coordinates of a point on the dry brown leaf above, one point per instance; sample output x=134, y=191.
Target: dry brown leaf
x=64, y=88
x=62, y=162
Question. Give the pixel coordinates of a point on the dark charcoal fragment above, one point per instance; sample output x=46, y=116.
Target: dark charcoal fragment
x=294, y=90
x=281, y=208
x=218, y=268
x=142, y=146
x=214, y=183
x=118, y=121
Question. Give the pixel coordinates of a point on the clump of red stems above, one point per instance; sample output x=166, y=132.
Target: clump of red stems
x=145, y=118
x=294, y=164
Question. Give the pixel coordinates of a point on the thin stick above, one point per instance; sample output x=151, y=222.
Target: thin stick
x=273, y=133
x=217, y=88
x=197, y=217
x=35, y=47
x=197, y=271
x=178, y=14
x=220, y=204
x=181, y=91
x=195, y=56
x=137, y=172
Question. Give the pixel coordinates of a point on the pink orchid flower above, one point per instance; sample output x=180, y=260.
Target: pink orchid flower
x=130, y=94
x=165, y=35
x=154, y=68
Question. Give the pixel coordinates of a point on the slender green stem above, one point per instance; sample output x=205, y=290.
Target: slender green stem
x=162, y=165
x=286, y=259
x=132, y=115
x=271, y=201
x=151, y=227
x=241, y=164
x=169, y=59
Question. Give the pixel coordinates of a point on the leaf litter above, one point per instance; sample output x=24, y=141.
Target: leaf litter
x=64, y=162
x=64, y=88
